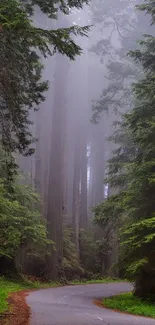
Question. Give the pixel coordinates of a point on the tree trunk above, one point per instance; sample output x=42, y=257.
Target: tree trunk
x=56, y=172
x=38, y=154
x=97, y=162
x=83, y=164
x=145, y=285
x=76, y=194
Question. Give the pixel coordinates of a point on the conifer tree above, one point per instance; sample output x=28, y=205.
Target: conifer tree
x=21, y=47
x=134, y=205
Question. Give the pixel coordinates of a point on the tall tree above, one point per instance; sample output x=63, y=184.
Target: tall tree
x=135, y=202
x=83, y=223
x=76, y=191
x=56, y=172
x=119, y=22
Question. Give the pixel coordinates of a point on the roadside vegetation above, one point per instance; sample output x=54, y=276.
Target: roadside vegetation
x=8, y=286
x=97, y=281
x=127, y=302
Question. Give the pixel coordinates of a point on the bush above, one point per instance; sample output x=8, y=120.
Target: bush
x=21, y=224
x=72, y=267
x=89, y=254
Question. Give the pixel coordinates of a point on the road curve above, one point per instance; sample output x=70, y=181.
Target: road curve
x=73, y=305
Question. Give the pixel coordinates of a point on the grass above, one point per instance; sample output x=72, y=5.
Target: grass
x=95, y=281
x=127, y=302
x=9, y=286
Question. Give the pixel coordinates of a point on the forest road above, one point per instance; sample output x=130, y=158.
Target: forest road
x=73, y=305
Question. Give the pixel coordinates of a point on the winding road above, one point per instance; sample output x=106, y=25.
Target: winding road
x=73, y=305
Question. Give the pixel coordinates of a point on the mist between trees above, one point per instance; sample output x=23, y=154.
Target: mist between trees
x=77, y=140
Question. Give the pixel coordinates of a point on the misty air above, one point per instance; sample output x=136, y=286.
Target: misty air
x=77, y=162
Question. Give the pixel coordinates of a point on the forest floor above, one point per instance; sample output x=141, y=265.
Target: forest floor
x=128, y=303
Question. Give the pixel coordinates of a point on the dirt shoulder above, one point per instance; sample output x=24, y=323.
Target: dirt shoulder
x=19, y=312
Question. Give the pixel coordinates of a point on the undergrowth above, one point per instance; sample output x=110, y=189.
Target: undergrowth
x=8, y=286
x=96, y=281
x=127, y=302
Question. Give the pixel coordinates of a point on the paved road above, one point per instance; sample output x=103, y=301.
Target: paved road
x=72, y=305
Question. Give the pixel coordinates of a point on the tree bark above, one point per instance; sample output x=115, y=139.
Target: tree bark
x=56, y=172
x=145, y=285
x=83, y=209
x=38, y=154
x=76, y=194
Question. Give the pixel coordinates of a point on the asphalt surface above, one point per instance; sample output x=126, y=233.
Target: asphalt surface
x=73, y=305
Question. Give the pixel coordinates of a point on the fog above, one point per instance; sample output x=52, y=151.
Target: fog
x=85, y=97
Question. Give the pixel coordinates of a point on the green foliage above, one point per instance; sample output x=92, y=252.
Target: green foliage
x=93, y=253
x=8, y=286
x=20, y=221
x=127, y=302
x=97, y=281
x=21, y=87
x=72, y=267
x=51, y=7
x=21, y=46
x=108, y=210
x=88, y=264
x=88, y=252
x=149, y=8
